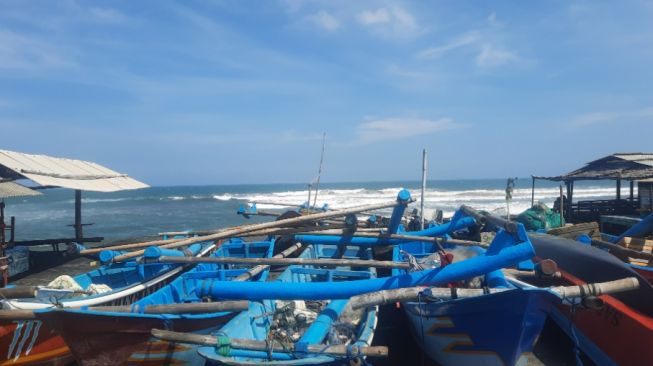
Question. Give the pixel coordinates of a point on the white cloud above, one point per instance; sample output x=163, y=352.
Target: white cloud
x=31, y=53
x=107, y=15
x=324, y=20
x=389, y=22
x=463, y=40
x=381, y=15
x=597, y=118
x=400, y=128
x=492, y=56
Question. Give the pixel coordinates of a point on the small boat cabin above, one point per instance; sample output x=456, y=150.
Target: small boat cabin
x=622, y=168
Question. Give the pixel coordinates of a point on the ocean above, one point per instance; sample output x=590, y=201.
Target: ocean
x=146, y=212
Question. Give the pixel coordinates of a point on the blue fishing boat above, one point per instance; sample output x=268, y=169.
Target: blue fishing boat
x=29, y=341
x=293, y=324
x=121, y=335
x=497, y=328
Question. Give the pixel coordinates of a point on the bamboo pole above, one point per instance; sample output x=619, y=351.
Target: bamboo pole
x=190, y=308
x=266, y=225
x=421, y=202
x=401, y=237
x=16, y=314
x=254, y=345
x=260, y=268
x=415, y=293
x=20, y=292
x=129, y=246
x=621, y=250
x=288, y=261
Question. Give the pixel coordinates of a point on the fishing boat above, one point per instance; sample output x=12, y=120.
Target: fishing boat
x=28, y=341
x=462, y=330
x=121, y=335
x=291, y=324
x=620, y=331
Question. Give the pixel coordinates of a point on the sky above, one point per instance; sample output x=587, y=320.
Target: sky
x=225, y=92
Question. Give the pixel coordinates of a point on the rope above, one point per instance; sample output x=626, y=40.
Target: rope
x=223, y=344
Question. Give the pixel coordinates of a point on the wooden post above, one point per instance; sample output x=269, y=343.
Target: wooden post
x=421, y=204
x=2, y=227
x=632, y=189
x=618, y=189
x=570, y=196
x=78, y=215
x=533, y=191
x=562, y=207
x=12, y=232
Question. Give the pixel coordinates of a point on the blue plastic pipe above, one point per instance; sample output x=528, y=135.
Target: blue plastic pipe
x=319, y=329
x=458, y=271
x=156, y=252
x=106, y=256
x=638, y=230
x=398, y=212
x=443, y=229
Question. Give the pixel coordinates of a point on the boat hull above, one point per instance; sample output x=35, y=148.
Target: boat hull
x=26, y=342
x=106, y=339
x=621, y=332
x=493, y=329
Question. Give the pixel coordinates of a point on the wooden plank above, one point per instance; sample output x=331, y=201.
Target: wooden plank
x=573, y=231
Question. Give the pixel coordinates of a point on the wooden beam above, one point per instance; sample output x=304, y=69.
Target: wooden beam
x=254, y=345
x=267, y=225
x=190, y=308
x=288, y=261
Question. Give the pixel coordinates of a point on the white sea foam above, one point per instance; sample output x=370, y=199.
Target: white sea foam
x=447, y=200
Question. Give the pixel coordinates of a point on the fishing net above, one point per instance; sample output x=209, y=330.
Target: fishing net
x=539, y=217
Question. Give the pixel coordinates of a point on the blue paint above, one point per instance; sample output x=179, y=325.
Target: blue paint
x=106, y=256
x=316, y=333
x=472, y=267
x=157, y=252
x=443, y=229
x=638, y=230
x=398, y=212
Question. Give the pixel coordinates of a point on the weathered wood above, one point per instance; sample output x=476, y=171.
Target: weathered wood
x=260, y=268
x=273, y=231
x=128, y=246
x=254, y=345
x=417, y=293
x=620, y=251
x=413, y=294
x=572, y=231
x=190, y=308
x=266, y=225
x=481, y=217
x=327, y=262
x=400, y=237
x=21, y=292
x=15, y=314
x=597, y=289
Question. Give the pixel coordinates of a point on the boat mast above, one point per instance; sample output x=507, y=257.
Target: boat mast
x=421, y=204
x=319, y=172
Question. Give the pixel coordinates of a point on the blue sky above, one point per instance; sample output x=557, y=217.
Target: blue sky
x=204, y=92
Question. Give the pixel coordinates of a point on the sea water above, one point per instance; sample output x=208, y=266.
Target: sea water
x=146, y=212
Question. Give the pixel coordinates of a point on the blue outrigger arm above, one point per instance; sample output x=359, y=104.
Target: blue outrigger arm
x=506, y=250
x=319, y=329
x=638, y=230
x=403, y=198
x=458, y=222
